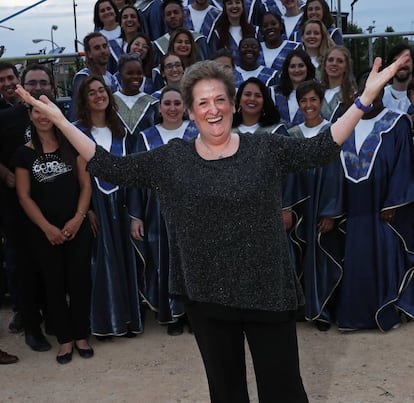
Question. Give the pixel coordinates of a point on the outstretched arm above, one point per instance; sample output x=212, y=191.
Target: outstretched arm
x=84, y=146
x=343, y=127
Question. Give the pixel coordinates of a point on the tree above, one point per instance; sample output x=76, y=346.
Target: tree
x=358, y=48
x=383, y=45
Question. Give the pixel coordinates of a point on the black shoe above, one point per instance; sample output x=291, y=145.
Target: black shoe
x=85, y=352
x=129, y=335
x=65, y=358
x=16, y=323
x=103, y=338
x=6, y=358
x=322, y=326
x=37, y=342
x=176, y=328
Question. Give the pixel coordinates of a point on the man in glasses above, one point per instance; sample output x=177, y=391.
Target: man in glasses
x=14, y=132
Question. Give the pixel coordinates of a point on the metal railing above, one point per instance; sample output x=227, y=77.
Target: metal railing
x=60, y=69
x=373, y=35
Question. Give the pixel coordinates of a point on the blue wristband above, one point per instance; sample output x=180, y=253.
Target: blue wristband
x=362, y=107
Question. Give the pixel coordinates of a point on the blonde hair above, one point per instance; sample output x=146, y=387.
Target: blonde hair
x=326, y=41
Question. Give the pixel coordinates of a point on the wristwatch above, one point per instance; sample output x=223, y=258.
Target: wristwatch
x=361, y=106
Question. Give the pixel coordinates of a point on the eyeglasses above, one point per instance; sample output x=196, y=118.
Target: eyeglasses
x=94, y=93
x=171, y=66
x=35, y=83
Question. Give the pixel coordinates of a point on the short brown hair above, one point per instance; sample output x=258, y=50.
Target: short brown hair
x=206, y=70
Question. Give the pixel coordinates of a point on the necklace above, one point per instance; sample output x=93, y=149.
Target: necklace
x=216, y=155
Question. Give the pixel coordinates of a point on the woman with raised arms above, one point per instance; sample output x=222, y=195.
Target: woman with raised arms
x=233, y=274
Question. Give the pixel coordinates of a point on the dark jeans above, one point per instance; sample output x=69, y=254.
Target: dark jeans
x=274, y=350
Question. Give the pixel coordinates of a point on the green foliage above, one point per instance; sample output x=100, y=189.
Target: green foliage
x=383, y=45
x=358, y=49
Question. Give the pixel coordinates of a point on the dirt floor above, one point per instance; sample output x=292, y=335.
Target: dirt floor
x=363, y=366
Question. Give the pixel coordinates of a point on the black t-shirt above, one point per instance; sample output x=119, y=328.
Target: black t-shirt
x=14, y=132
x=53, y=184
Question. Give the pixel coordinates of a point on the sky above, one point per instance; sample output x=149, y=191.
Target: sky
x=36, y=22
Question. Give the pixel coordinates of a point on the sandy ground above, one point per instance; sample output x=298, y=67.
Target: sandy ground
x=363, y=366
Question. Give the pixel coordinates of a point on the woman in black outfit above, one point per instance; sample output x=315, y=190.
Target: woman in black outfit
x=54, y=190
x=221, y=198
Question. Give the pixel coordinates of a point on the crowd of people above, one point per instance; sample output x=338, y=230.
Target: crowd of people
x=256, y=195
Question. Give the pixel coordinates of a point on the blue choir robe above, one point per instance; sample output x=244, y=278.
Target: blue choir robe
x=336, y=35
x=271, y=5
x=140, y=116
x=115, y=301
x=282, y=105
x=329, y=110
x=155, y=246
x=266, y=75
x=117, y=49
x=153, y=17
x=378, y=259
x=208, y=23
x=255, y=10
x=317, y=193
x=295, y=35
x=277, y=63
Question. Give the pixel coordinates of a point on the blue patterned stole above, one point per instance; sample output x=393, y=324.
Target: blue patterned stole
x=270, y=5
x=328, y=108
x=116, y=49
x=358, y=167
x=154, y=139
x=282, y=105
x=266, y=75
x=278, y=61
x=207, y=24
x=117, y=148
x=295, y=36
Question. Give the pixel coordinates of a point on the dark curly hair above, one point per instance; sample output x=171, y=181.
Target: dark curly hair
x=84, y=112
x=223, y=26
x=285, y=84
x=270, y=114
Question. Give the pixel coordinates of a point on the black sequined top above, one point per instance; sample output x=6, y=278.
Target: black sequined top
x=227, y=241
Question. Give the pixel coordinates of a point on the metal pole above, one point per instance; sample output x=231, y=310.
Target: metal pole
x=22, y=11
x=75, y=25
x=339, y=15
x=371, y=44
x=352, y=11
x=53, y=28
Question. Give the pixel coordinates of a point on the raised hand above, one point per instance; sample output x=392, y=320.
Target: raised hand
x=44, y=104
x=378, y=79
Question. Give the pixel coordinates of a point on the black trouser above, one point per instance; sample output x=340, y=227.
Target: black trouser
x=66, y=272
x=23, y=276
x=274, y=351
